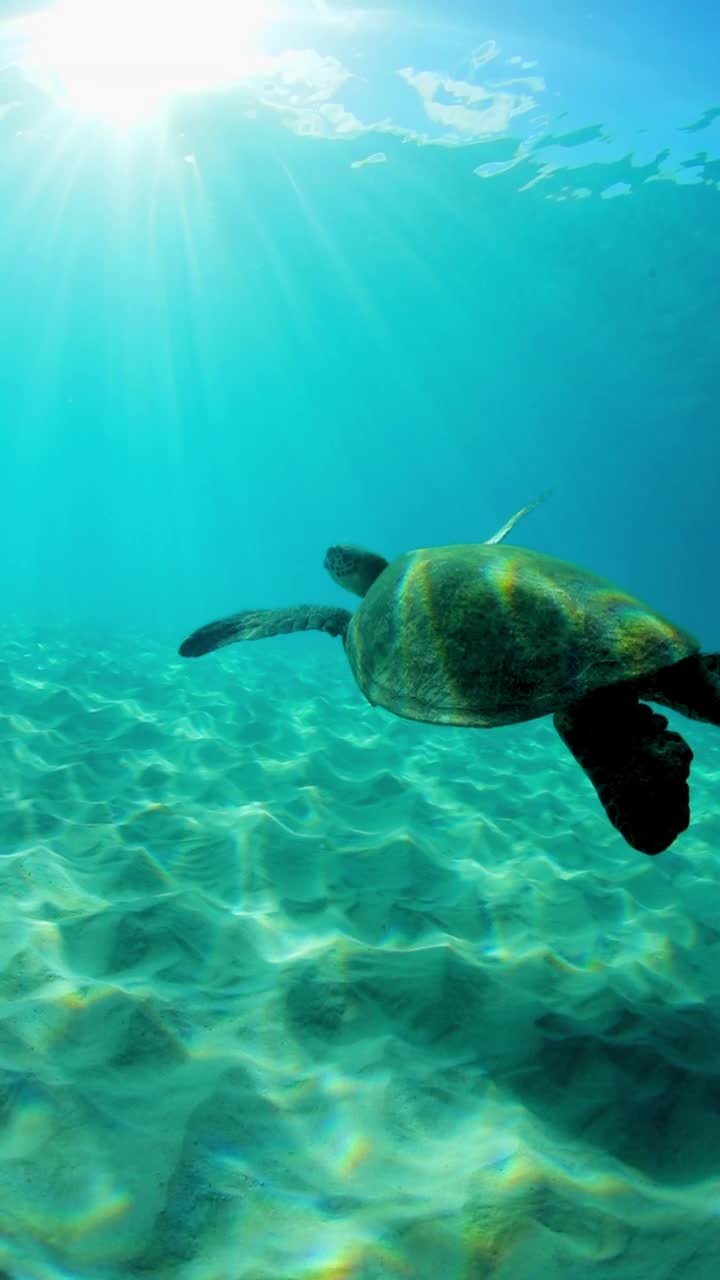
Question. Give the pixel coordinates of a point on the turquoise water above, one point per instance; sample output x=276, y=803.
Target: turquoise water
x=291, y=988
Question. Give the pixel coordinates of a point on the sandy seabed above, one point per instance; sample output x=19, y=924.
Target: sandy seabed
x=293, y=990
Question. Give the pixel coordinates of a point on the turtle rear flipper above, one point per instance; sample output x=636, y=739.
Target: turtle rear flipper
x=257, y=624
x=691, y=687
x=637, y=765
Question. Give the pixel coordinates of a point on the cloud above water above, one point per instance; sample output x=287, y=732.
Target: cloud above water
x=474, y=111
x=346, y=19
x=484, y=53
x=303, y=76
x=517, y=61
x=344, y=79
x=377, y=157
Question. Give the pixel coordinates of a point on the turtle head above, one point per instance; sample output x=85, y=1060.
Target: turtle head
x=353, y=568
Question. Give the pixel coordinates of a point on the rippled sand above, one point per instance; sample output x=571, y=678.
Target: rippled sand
x=293, y=990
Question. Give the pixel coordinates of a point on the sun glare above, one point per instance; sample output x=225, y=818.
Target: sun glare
x=124, y=59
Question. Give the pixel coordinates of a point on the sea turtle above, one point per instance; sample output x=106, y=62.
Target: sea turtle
x=487, y=635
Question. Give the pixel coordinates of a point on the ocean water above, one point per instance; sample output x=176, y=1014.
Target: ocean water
x=290, y=988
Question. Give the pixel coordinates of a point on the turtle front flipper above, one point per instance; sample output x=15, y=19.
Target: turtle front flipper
x=637, y=765
x=257, y=624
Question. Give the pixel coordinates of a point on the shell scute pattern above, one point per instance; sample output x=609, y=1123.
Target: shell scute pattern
x=483, y=635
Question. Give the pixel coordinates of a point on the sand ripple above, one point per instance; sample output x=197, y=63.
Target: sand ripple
x=293, y=990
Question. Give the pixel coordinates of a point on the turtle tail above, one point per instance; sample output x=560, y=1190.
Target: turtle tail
x=256, y=624
x=691, y=687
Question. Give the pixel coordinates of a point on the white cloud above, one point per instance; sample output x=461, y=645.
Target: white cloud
x=495, y=167
x=545, y=171
x=328, y=120
x=349, y=20
x=303, y=87
x=534, y=84
x=484, y=53
x=302, y=76
x=341, y=121
x=377, y=157
x=517, y=61
x=464, y=116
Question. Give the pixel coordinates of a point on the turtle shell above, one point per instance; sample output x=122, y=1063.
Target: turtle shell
x=488, y=635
